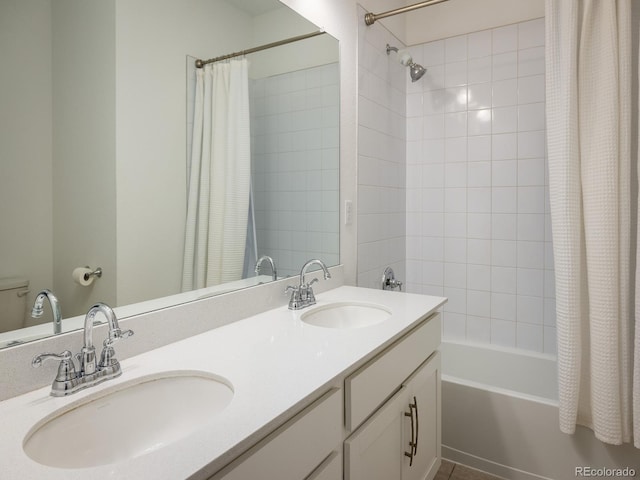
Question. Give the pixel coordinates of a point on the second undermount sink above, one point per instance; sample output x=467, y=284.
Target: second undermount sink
x=346, y=315
x=129, y=422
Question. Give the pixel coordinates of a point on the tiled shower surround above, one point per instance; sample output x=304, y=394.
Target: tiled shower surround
x=295, y=166
x=478, y=223
x=477, y=215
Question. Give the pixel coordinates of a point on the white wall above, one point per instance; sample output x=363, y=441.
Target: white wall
x=84, y=229
x=26, y=213
x=478, y=224
x=382, y=86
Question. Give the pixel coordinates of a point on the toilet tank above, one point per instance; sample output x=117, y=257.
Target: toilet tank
x=13, y=302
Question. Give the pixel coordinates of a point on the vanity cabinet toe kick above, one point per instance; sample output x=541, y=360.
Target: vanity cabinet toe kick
x=384, y=424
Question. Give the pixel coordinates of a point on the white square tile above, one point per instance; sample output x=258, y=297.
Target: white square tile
x=433, y=53
x=504, y=226
x=478, y=303
x=504, y=200
x=414, y=105
x=531, y=62
x=531, y=254
x=415, y=127
x=454, y=326
x=531, y=200
x=479, y=122
x=455, y=275
x=531, y=117
x=455, y=124
x=479, y=175
x=478, y=329
x=505, y=66
x=505, y=93
x=479, y=70
x=505, y=146
x=455, y=49
x=431, y=249
x=479, y=96
x=455, y=74
x=504, y=173
x=455, y=175
x=479, y=225
x=550, y=341
x=433, y=102
x=503, y=333
x=431, y=200
x=414, y=224
x=479, y=277
x=503, y=306
x=550, y=312
x=503, y=279
x=433, y=150
x=531, y=227
x=529, y=337
x=455, y=149
x=433, y=127
x=548, y=256
x=531, y=144
x=530, y=282
x=414, y=152
x=479, y=148
x=455, y=200
x=505, y=39
x=414, y=248
x=479, y=251
x=432, y=273
x=479, y=44
x=455, y=225
x=432, y=80
x=531, y=172
x=431, y=224
x=504, y=253
x=549, y=284
x=479, y=200
x=531, y=33
x=433, y=175
x=531, y=89
x=456, y=99
x=505, y=120
x=457, y=300
x=455, y=250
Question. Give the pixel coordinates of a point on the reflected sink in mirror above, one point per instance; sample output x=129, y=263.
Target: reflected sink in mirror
x=346, y=315
x=129, y=422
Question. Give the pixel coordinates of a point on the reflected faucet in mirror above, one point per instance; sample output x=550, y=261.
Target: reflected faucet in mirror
x=267, y=258
x=38, y=309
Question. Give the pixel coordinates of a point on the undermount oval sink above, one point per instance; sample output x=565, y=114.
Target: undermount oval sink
x=128, y=422
x=346, y=315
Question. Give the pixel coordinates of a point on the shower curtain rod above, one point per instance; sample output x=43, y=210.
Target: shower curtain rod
x=202, y=63
x=370, y=18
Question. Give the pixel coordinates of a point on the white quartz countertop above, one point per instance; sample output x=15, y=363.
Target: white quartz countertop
x=275, y=362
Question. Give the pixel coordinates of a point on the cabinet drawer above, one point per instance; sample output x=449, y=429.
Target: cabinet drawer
x=297, y=448
x=368, y=388
x=329, y=469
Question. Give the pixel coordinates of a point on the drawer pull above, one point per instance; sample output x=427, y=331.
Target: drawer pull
x=412, y=443
x=415, y=445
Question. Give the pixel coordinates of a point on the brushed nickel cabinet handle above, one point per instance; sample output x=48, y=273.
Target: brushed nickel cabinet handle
x=415, y=445
x=412, y=449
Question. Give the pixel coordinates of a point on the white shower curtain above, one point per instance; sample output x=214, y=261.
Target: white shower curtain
x=218, y=200
x=588, y=60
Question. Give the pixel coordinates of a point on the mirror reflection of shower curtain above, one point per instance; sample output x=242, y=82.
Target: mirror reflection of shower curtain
x=219, y=184
x=251, y=248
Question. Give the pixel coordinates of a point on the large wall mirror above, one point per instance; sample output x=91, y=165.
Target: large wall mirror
x=98, y=100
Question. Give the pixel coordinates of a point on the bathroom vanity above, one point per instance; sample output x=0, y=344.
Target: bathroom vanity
x=309, y=396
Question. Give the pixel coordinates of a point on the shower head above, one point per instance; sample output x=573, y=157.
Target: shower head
x=416, y=71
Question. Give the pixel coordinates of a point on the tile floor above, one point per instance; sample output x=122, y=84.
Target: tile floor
x=454, y=471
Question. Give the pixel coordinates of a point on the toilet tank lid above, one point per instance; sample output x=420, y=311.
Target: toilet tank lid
x=10, y=283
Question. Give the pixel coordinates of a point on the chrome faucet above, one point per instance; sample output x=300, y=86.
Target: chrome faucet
x=90, y=373
x=38, y=309
x=267, y=258
x=302, y=296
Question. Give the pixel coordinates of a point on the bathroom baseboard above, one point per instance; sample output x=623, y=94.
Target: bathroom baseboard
x=488, y=466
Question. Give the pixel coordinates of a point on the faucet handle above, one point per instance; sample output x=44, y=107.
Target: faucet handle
x=66, y=369
x=117, y=335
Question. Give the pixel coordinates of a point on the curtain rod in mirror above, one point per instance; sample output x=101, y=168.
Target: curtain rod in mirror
x=202, y=63
x=370, y=18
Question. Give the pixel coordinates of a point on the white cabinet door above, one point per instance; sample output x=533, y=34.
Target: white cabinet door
x=423, y=388
x=374, y=451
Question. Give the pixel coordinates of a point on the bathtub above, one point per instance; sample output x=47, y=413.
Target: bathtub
x=500, y=415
